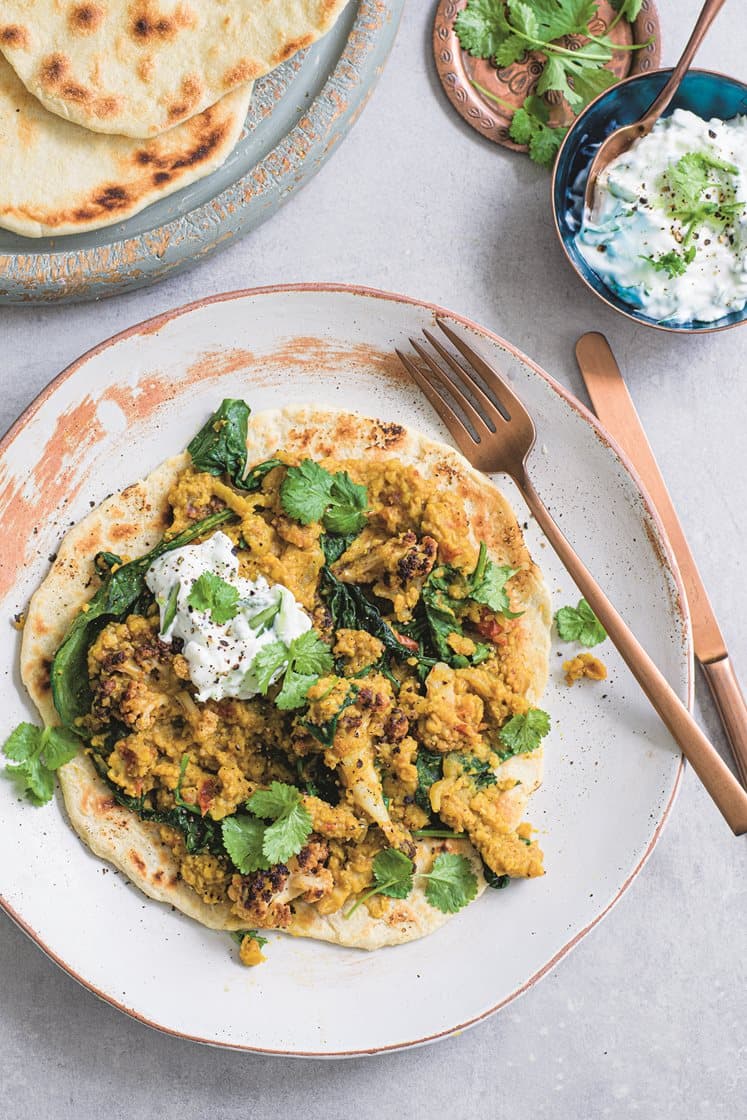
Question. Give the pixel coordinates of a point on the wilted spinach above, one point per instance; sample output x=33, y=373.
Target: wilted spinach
x=220, y=447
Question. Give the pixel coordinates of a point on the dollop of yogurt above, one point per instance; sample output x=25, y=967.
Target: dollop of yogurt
x=672, y=269
x=220, y=655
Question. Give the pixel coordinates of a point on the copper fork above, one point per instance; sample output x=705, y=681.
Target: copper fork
x=500, y=439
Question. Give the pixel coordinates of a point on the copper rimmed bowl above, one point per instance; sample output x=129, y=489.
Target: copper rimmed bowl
x=703, y=92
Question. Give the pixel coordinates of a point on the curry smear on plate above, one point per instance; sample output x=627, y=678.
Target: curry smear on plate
x=365, y=773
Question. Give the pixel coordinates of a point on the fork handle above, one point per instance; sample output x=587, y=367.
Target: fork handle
x=725, y=790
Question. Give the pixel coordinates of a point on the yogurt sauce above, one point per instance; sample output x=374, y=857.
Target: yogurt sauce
x=220, y=655
x=628, y=237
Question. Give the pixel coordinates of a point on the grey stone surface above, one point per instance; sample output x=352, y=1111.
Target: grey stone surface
x=647, y=1017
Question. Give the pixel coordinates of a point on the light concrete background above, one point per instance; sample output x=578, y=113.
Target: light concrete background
x=648, y=1017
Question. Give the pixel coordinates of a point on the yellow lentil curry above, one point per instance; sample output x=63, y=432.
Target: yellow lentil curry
x=404, y=737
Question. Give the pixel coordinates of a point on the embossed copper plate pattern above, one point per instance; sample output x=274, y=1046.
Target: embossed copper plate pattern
x=457, y=69
x=298, y=115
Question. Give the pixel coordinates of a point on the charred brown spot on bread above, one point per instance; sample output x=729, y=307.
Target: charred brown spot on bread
x=189, y=95
x=52, y=70
x=161, y=177
x=391, y=434
x=293, y=46
x=85, y=18
x=73, y=92
x=242, y=72
x=203, y=150
x=138, y=861
x=121, y=531
x=14, y=36
x=44, y=675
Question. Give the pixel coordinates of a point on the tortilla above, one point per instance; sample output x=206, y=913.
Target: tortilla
x=133, y=521
x=59, y=178
x=139, y=67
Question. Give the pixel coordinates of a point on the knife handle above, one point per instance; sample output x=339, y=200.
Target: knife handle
x=732, y=708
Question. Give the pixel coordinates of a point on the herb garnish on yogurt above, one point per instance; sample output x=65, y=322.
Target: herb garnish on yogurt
x=668, y=229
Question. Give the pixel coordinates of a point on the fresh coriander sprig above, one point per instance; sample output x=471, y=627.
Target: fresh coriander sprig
x=212, y=594
x=580, y=624
x=305, y=660
x=450, y=884
x=504, y=30
x=310, y=494
x=255, y=845
x=673, y=263
x=522, y=734
x=36, y=753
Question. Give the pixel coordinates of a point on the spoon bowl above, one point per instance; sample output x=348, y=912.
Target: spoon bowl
x=620, y=140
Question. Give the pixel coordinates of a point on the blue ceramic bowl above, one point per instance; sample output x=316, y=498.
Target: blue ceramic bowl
x=702, y=92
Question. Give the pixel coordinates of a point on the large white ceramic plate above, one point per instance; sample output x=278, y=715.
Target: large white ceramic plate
x=611, y=770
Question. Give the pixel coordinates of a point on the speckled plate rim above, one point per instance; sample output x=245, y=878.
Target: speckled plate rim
x=567, y=139
x=126, y=263
x=474, y=110
x=150, y=326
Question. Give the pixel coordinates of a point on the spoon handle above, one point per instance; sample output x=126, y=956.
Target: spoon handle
x=708, y=13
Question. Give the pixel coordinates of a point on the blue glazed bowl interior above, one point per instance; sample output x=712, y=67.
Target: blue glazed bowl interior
x=704, y=93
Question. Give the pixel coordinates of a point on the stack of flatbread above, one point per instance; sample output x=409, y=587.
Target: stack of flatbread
x=108, y=105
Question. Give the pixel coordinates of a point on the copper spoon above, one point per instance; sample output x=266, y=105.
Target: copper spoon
x=618, y=141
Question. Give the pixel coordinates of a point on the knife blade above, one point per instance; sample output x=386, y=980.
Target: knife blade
x=614, y=407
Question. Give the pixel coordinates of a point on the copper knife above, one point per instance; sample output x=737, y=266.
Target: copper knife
x=614, y=407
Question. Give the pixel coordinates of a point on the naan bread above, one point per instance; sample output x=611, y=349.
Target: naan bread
x=139, y=67
x=133, y=521
x=58, y=178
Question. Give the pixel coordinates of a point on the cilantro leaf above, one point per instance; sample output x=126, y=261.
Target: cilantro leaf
x=35, y=754
x=488, y=584
x=309, y=493
x=522, y=126
x=580, y=624
x=211, y=593
x=22, y=743
x=700, y=187
x=482, y=26
x=309, y=654
x=59, y=746
x=523, y=734
x=523, y=18
x=282, y=804
x=451, y=883
x=295, y=687
x=393, y=876
x=305, y=660
x=243, y=838
x=627, y=9
x=673, y=263
x=306, y=492
x=393, y=873
x=349, y=501
x=509, y=51
x=268, y=661
x=529, y=126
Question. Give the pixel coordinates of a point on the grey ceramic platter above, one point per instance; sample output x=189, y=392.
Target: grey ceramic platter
x=298, y=115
